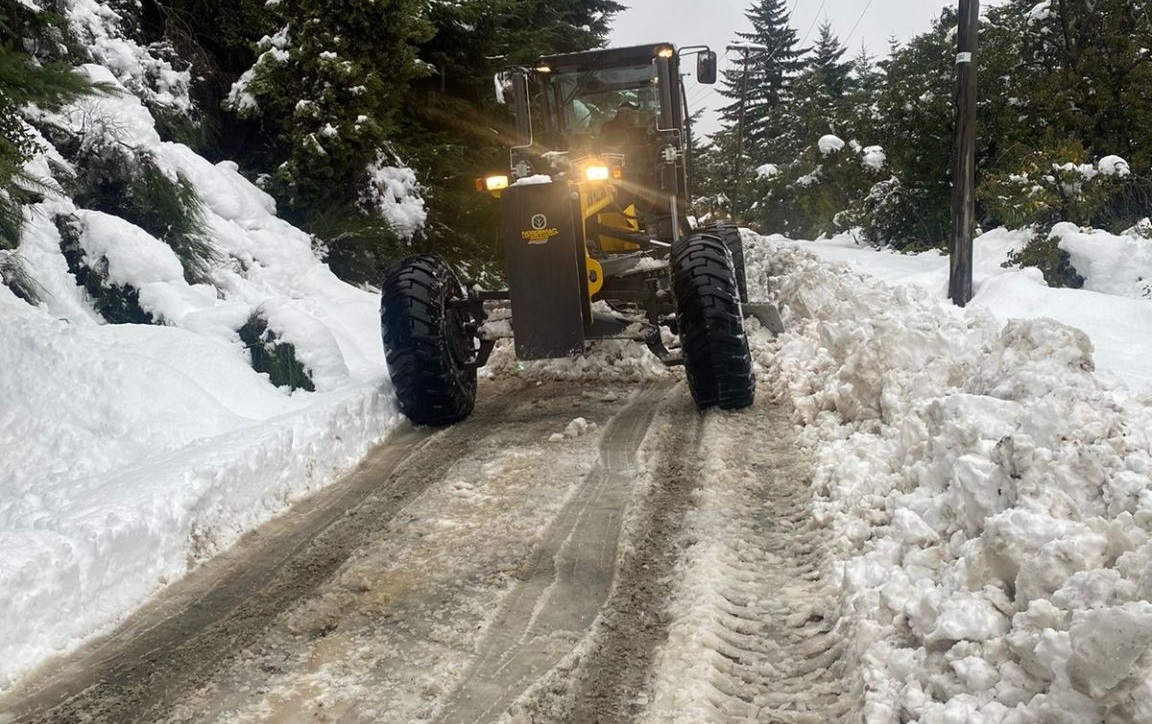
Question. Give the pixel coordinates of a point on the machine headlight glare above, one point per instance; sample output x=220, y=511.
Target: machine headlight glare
x=665, y=51
x=596, y=173
x=496, y=183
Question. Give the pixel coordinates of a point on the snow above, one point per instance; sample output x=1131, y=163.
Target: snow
x=533, y=180
x=873, y=157
x=829, y=144
x=98, y=27
x=393, y=192
x=134, y=452
x=1114, y=166
x=578, y=427
x=1041, y=11
x=984, y=474
x=982, y=477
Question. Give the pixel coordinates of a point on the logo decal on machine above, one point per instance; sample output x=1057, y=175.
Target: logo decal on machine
x=540, y=232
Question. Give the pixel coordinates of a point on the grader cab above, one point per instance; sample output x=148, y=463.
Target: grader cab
x=597, y=241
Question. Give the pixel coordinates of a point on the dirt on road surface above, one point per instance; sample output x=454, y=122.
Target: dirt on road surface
x=571, y=553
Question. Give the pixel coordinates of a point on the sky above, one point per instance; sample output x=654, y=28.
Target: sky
x=855, y=22
x=981, y=477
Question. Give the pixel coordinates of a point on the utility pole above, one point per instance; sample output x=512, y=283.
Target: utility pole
x=736, y=172
x=964, y=156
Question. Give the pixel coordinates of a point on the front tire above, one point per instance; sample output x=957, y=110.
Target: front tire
x=426, y=341
x=712, y=336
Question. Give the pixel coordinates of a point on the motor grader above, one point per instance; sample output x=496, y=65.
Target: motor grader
x=597, y=241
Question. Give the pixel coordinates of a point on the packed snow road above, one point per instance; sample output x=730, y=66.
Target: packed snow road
x=571, y=553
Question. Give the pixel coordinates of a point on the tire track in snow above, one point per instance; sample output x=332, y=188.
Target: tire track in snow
x=611, y=674
x=754, y=635
x=568, y=581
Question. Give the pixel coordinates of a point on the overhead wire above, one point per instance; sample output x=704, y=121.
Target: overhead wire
x=814, y=19
x=857, y=25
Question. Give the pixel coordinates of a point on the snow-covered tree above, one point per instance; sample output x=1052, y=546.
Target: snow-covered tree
x=45, y=82
x=820, y=102
x=760, y=83
x=328, y=88
x=757, y=130
x=826, y=63
x=913, y=118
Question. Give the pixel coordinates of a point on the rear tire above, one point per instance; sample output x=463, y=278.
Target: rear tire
x=730, y=233
x=426, y=341
x=715, y=346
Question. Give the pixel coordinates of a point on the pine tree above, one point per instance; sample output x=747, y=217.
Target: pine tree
x=914, y=108
x=819, y=102
x=475, y=37
x=24, y=80
x=328, y=89
x=835, y=167
x=863, y=88
x=756, y=126
x=825, y=62
x=761, y=84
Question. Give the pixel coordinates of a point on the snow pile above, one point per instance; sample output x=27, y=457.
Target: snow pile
x=1114, y=166
x=1110, y=264
x=609, y=359
x=133, y=452
x=829, y=144
x=1040, y=11
x=393, y=192
x=990, y=498
x=873, y=157
x=577, y=428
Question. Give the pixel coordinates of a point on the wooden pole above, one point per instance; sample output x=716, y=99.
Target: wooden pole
x=739, y=188
x=964, y=156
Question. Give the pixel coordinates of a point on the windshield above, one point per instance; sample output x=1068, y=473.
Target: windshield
x=582, y=103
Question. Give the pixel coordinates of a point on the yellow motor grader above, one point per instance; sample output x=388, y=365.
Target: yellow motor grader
x=597, y=241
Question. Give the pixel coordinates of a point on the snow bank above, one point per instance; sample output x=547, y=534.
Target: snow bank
x=133, y=452
x=989, y=495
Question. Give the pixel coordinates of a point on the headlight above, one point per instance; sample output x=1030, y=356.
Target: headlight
x=496, y=183
x=596, y=173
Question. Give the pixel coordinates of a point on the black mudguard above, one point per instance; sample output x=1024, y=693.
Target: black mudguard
x=544, y=259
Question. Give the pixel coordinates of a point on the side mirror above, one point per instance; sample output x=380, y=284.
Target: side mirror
x=706, y=67
x=503, y=83
x=512, y=89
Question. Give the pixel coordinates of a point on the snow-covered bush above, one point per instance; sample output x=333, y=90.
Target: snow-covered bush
x=808, y=197
x=1045, y=188
x=893, y=214
x=273, y=356
x=1043, y=252
x=113, y=298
